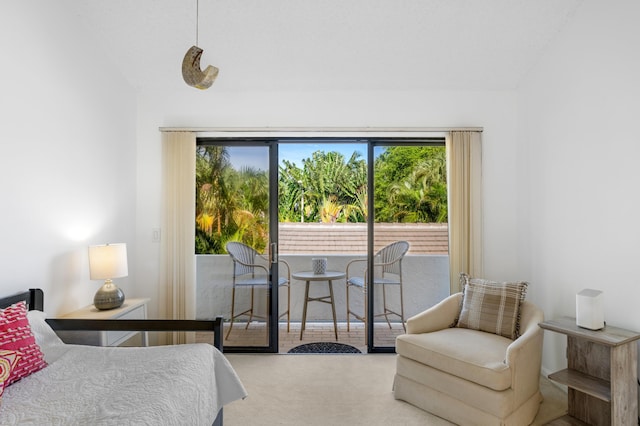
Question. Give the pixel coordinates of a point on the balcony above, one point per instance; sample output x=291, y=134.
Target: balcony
x=425, y=275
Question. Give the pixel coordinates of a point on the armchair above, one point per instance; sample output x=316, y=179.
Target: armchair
x=468, y=376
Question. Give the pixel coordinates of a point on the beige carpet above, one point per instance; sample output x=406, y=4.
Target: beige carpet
x=336, y=390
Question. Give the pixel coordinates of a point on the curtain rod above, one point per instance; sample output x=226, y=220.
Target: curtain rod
x=304, y=130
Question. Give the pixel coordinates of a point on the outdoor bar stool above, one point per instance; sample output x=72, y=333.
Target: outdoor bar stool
x=245, y=267
x=388, y=272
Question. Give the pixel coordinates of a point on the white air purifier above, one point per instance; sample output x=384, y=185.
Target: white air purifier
x=590, y=309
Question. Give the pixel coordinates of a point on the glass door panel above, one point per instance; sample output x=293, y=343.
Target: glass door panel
x=322, y=214
x=410, y=235
x=233, y=244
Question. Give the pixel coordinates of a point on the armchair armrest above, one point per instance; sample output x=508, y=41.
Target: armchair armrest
x=524, y=355
x=214, y=326
x=437, y=317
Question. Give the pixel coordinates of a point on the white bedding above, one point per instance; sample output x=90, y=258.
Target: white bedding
x=86, y=385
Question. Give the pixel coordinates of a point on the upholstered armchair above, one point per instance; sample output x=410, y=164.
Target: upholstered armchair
x=468, y=376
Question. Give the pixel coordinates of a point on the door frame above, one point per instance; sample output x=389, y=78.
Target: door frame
x=372, y=144
x=273, y=297
x=372, y=137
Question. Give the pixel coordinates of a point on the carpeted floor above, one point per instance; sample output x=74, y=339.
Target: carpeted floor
x=336, y=389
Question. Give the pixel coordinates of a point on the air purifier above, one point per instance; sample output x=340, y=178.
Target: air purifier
x=590, y=309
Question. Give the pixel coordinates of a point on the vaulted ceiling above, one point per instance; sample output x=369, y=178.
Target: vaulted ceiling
x=310, y=45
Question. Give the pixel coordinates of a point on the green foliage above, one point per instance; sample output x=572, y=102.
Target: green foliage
x=233, y=205
x=326, y=183
x=290, y=193
x=411, y=184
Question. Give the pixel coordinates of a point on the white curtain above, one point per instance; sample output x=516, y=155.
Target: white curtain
x=177, y=278
x=464, y=160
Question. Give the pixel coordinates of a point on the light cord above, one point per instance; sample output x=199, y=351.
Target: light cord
x=197, y=19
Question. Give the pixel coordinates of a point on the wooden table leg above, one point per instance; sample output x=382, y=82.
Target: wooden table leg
x=304, y=310
x=333, y=308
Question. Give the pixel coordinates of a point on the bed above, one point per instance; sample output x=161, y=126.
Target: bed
x=158, y=385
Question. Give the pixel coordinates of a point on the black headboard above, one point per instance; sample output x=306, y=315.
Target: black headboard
x=35, y=301
x=34, y=298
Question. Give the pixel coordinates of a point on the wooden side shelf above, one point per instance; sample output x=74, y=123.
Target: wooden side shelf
x=585, y=383
x=601, y=374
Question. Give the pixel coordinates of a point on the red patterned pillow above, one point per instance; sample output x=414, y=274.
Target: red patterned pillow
x=16, y=335
x=8, y=361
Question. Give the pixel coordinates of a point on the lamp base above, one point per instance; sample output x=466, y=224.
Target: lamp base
x=109, y=296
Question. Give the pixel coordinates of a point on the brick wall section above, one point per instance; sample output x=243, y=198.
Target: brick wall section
x=351, y=238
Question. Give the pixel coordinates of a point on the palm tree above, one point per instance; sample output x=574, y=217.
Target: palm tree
x=214, y=203
x=290, y=193
x=251, y=217
x=422, y=196
x=327, y=176
x=330, y=211
x=233, y=205
x=411, y=184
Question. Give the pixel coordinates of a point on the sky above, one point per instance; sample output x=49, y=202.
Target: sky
x=258, y=157
x=296, y=152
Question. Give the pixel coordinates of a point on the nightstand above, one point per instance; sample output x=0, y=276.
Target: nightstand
x=601, y=374
x=130, y=309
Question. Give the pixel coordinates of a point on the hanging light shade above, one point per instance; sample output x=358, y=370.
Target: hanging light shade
x=193, y=74
x=191, y=71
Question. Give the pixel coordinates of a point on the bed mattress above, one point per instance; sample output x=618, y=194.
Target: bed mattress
x=160, y=385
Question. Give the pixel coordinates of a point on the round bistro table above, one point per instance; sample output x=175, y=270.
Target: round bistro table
x=308, y=277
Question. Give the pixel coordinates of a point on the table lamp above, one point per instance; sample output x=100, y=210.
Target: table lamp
x=106, y=262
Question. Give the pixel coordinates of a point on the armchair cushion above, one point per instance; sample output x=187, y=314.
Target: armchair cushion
x=491, y=306
x=449, y=351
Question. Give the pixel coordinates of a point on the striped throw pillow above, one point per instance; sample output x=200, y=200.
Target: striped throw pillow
x=491, y=306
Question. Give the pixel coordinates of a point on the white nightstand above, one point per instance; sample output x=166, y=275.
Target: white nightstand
x=130, y=309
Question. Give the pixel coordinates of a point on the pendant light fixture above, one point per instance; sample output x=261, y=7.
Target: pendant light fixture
x=191, y=71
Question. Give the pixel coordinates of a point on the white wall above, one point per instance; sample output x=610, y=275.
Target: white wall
x=68, y=155
x=578, y=155
x=493, y=110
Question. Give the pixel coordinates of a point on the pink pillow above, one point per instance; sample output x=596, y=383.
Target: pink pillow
x=8, y=361
x=16, y=335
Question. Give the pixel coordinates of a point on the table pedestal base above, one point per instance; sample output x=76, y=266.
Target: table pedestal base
x=323, y=299
x=328, y=276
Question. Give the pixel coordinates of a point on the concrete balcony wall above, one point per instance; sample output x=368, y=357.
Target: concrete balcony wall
x=426, y=282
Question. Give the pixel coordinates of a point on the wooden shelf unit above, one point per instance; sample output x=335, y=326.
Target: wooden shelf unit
x=601, y=374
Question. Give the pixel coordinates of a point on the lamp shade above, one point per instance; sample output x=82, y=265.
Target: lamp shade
x=108, y=261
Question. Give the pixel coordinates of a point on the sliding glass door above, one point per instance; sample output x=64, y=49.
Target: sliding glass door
x=322, y=215
x=375, y=209
x=408, y=251
x=236, y=242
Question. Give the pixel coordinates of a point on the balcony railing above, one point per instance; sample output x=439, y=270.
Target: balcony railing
x=425, y=277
